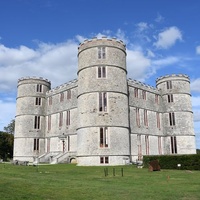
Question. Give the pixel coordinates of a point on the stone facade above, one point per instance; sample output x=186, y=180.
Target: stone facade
x=102, y=118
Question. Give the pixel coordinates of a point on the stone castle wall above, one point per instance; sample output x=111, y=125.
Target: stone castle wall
x=136, y=120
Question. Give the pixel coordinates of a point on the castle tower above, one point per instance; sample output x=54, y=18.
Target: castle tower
x=103, y=129
x=177, y=114
x=30, y=118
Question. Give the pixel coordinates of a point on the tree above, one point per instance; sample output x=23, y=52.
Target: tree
x=6, y=146
x=10, y=128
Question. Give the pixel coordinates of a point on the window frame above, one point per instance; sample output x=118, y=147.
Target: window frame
x=101, y=72
x=38, y=101
x=49, y=122
x=173, y=144
x=172, y=121
x=169, y=85
x=159, y=145
x=144, y=94
x=62, y=96
x=68, y=116
x=36, y=144
x=102, y=52
x=103, y=102
x=50, y=101
x=156, y=98
x=104, y=160
x=158, y=120
x=69, y=94
x=170, y=98
x=137, y=111
x=139, y=144
x=60, y=119
x=39, y=88
x=147, y=144
x=37, y=122
x=146, y=123
x=136, y=92
x=103, y=137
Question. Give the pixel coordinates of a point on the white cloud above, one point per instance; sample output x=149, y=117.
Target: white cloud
x=142, y=26
x=121, y=36
x=10, y=56
x=150, y=53
x=48, y=61
x=198, y=50
x=80, y=38
x=142, y=32
x=165, y=61
x=159, y=18
x=168, y=38
x=138, y=65
x=195, y=85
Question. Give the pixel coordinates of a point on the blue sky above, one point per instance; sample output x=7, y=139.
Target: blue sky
x=40, y=38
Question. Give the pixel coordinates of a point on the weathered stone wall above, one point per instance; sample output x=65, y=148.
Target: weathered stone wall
x=177, y=86
x=127, y=140
x=115, y=118
x=26, y=110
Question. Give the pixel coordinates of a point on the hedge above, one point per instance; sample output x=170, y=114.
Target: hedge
x=188, y=162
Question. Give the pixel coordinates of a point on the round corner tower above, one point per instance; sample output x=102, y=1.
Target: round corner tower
x=103, y=129
x=177, y=114
x=30, y=118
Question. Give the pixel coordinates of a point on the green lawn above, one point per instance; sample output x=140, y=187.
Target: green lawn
x=71, y=182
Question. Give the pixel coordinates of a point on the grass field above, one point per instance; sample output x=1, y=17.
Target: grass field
x=48, y=182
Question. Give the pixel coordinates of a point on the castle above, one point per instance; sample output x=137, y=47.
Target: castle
x=102, y=118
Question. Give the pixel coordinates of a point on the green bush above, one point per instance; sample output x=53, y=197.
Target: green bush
x=188, y=162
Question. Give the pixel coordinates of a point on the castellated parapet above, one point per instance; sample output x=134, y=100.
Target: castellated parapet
x=103, y=118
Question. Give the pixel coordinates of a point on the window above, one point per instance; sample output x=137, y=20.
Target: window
x=37, y=122
x=60, y=119
x=68, y=143
x=145, y=118
x=68, y=118
x=104, y=160
x=138, y=117
x=103, y=137
x=169, y=84
x=101, y=72
x=170, y=98
x=101, y=52
x=36, y=144
x=61, y=96
x=173, y=145
x=102, y=102
x=49, y=122
x=172, y=119
x=144, y=95
x=136, y=92
x=147, y=144
x=139, y=147
x=156, y=99
x=38, y=101
x=158, y=120
x=48, y=145
x=159, y=145
x=69, y=94
x=50, y=100
x=39, y=88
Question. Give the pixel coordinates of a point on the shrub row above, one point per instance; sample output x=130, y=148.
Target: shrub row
x=187, y=162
